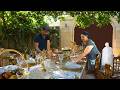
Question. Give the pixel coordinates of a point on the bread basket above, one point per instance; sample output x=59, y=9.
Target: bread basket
x=3, y=56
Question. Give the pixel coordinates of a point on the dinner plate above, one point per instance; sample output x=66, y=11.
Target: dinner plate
x=64, y=75
x=10, y=67
x=71, y=65
x=2, y=70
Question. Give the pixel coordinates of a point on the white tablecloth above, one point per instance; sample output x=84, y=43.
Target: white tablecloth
x=35, y=72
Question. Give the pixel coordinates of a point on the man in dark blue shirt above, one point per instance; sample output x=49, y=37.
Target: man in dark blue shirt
x=41, y=40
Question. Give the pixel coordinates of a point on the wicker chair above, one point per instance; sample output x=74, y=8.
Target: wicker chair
x=99, y=74
x=116, y=68
x=108, y=72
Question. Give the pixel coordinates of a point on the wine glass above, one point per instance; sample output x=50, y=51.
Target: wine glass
x=60, y=56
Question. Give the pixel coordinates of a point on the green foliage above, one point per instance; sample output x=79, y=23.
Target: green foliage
x=54, y=38
x=85, y=19
x=18, y=26
x=101, y=18
x=26, y=20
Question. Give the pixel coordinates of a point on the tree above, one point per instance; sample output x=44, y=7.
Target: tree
x=28, y=19
x=18, y=26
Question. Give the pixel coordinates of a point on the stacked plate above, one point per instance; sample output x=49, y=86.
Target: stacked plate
x=11, y=67
x=2, y=70
x=71, y=65
x=65, y=75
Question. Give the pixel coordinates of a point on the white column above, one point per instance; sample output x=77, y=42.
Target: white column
x=67, y=31
x=116, y=36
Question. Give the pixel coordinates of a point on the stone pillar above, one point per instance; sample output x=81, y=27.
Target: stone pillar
x=116, y=37
x=67, y=31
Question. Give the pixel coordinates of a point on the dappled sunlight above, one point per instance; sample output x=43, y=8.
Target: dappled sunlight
x=116, y=52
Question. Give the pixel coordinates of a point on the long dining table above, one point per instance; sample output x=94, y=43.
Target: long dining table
x=65, y=70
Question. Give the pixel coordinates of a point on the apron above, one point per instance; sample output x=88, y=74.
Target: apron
x=91, y=65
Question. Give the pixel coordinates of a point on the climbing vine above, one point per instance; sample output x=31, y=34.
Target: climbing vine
x=18, y=26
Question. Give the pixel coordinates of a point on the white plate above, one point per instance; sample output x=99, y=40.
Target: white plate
x=72, y=65
x=2, y=70
x=10, y=67
x=64, y=75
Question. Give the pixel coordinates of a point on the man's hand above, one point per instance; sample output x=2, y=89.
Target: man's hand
x=48, y=44
x=37, y=46
x=37, y=49
x=1, y=49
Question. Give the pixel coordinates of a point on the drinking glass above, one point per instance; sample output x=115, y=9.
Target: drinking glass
x=60, y=57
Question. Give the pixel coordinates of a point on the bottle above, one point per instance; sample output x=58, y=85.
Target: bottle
x=43, y=67
x=107, y=55
x=26, y=55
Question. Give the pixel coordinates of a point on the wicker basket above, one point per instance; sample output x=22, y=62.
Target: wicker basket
x=5, y=61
